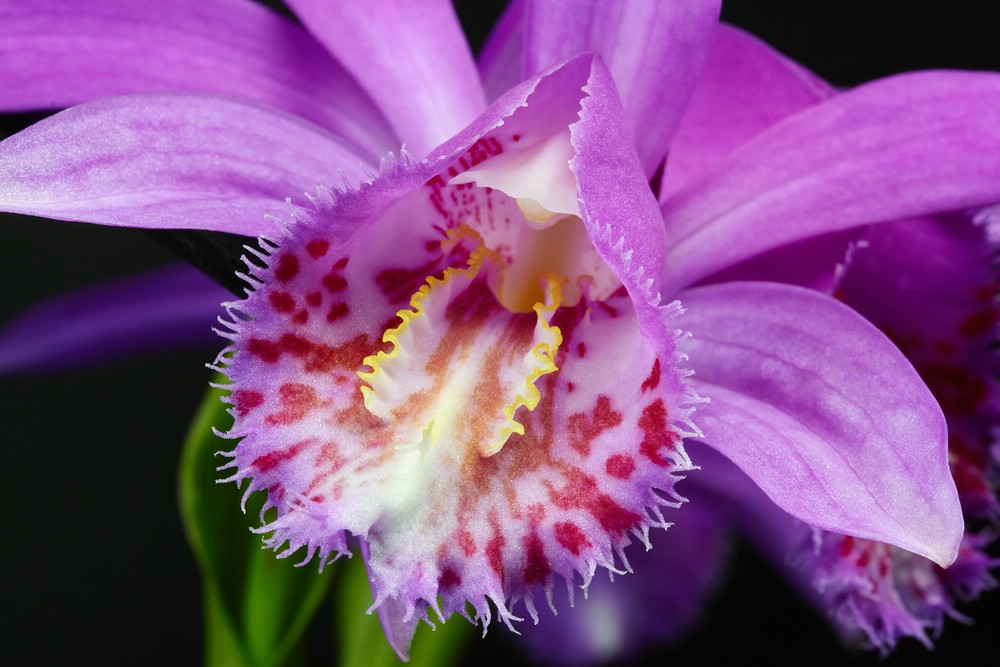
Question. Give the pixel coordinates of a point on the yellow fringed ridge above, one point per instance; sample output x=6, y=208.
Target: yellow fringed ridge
x=543, y=352
x=545, y=362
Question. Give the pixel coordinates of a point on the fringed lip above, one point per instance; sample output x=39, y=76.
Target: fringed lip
x=483, y=453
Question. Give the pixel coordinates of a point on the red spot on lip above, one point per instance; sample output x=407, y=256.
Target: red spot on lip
x=571, y=536
x=318, y=358
x=337, y=311
x=287, y=268
x=494, y=550
x=301, y=317
x=581, y=349
x=317, y=249
x=655, y=433
x=314, y=299
x=537, y=568
x=272, y=460
x=297, y=400
x=467, y=542
x=340, y=264
x=653, y=381
x=281, y=301
x=620, y=466
x=266, y=350
x=584, y=428
x=449, y=578
x=245, y=400
x=334, y=282
x=581, y=491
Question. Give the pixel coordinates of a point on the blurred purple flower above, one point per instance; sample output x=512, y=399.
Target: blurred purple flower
x=770, y=179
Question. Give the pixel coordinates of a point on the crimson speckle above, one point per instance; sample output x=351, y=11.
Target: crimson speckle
x=653, y=381
x=656, y=433
x=571, y=536
x=334, y=282
x=537, y=568
x=620, y=466
x=281, y=301
x=317, y=249
x=337, y=311
x=287, y=268
x=297, y=400
x=272, y=460
x=449, y=578
x=584, y=427
x=266, y=350
x=314, y=299
x=245, y=400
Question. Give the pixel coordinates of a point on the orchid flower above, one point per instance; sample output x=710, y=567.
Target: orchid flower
x=475, y=355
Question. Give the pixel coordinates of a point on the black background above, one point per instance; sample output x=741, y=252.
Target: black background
x=96, y=566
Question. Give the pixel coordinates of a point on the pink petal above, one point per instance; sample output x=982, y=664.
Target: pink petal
x=655, y=51
x=824, y=414
x=412, y=58
x=55, y=53
x=900, y=147
x=169, y=161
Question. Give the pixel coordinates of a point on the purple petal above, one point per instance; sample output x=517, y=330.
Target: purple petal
x=162, y=309
x=501, y=60
x=824, y=414
x=900, y=147
x=744, y=88
x=651, y=607
x=412, y=58
x=55, y=53
x=654, y=50
x=169, y=161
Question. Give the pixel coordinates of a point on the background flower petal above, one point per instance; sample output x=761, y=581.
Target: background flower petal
x=501, y=60
x=162, y=309
x=745, y=87
x=57, y=53
x=169, y=161
x=412, y=58
x=824, y=414
x=654, y=50
x=905, y=146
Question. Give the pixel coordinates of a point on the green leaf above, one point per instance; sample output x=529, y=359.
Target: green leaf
x=362, y=642
x=256, y=607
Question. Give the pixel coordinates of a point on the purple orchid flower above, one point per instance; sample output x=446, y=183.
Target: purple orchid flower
x=521, y=420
